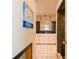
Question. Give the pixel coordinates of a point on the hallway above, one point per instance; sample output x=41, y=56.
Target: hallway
x=37, y=25
x=46, y=29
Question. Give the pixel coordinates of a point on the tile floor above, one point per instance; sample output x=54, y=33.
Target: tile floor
x=46, y=50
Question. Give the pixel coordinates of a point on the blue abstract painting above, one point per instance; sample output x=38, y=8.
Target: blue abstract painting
x=27, y=16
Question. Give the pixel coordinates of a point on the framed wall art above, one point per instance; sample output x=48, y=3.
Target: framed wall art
x=27, y=16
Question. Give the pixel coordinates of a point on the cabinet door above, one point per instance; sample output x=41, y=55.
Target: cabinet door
x=53, y=38
x=44, y=38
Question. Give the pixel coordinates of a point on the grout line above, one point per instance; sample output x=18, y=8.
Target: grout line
x=45, y=43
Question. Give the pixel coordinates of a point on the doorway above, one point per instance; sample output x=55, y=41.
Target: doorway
x=61, y=29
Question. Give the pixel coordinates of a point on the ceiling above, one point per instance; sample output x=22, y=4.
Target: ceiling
x=46, y=7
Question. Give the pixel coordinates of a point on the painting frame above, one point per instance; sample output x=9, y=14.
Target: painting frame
x=27, y=16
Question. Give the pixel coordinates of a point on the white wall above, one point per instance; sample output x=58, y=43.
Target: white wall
x=21, y=37
x=58, y=4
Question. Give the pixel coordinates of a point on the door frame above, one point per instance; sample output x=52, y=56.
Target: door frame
x=65, y=27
